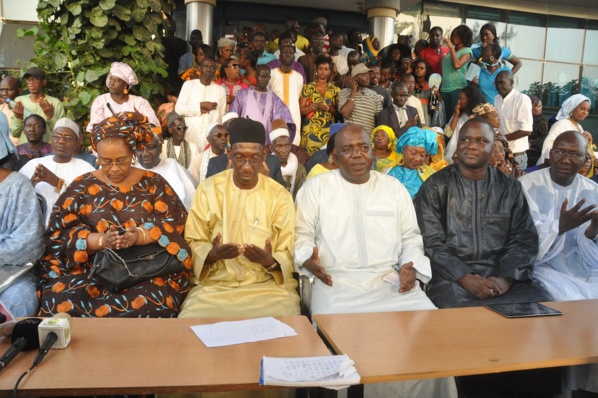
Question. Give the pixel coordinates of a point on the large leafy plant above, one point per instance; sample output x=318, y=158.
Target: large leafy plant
x=79, y=39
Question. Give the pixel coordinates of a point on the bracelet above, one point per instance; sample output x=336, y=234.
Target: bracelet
x=144, y=120
x=313, y=107
x=143, y=232
x=272, y=267
x=59, y=186
x=101, y=241
x=351, y=99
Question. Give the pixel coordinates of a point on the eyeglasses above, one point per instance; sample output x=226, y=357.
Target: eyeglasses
x=65, y=138
x=235, y=66
x=220, y=135
x=287, y=44
x=280, y=147
x=572, y=155
x=317, y=40
x=181, y=128
x=118, y=163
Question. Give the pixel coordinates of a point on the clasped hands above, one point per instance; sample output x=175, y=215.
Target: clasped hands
x=42, y=173
x=116, y=240
x=407, y=274
x=485, y=288
x=253, y=253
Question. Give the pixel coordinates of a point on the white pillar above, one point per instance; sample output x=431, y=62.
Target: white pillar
x=382, y=25
x=200, y=15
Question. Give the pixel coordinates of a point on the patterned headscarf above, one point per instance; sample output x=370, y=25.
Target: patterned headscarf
x=135, y=135
x=391, y=135
x=418, y=137
x=570, y=104
x=124, y=72
x=482, y=109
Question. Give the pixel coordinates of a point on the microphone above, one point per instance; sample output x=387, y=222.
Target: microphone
x=110, y=108
x=54, y=332
x=24, y=337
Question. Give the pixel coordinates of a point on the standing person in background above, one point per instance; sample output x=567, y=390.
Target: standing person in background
x=491, y=66
x=468, y=98
x=225, y=51
x=539, y=131
x=119, y=102
x=201, y=102
x=176, y=146
x=454, y=67
x=412, y=100
x=187, y=61
x=258, y=44
x=10, y=89
x=309, y=59
x=218, y=140
x=359, y=104
x=516, y=121
x=488, y=35
x=230, y=79
x=374, y=85
x=318, y=103
x=339, y=53
x=36, y=102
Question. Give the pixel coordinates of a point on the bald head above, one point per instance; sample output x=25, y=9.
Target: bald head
x=567, y=157
x=354, y=153
x=574, y=138
x=504, y=83
x=10, y=88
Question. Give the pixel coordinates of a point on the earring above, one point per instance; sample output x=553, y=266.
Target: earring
x=125, y=91
x=330, y=160
x=134, y=160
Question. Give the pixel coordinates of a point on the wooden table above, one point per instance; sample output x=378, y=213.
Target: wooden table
x=408, y=345
x=147, y=356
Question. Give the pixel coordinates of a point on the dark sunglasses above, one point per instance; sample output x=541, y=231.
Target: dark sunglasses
x=235, y=66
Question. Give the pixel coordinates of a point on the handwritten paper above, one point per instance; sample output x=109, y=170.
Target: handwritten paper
x=239, y=332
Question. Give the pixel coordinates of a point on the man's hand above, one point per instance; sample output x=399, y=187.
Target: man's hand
x=592, y=230
x=353, y=84
x=265, y=170
x=259, y=255
x=47, y=107
x=18, y=109
x=407, y=277
x=207, y=106
x=222, y=252
x=43, y=174
x=413, y=121
x=502, y=285
x=479, y=287
x=312, y=264
x=573, y=218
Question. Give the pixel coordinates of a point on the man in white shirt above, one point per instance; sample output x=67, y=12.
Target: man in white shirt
x=218, y=140
x=516, y=120
x=354, y=245
x=201, y=102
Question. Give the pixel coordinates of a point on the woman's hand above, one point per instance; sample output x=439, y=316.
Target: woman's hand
x=128, y=239
x=131, y=116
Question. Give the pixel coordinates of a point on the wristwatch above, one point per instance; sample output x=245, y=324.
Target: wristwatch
x=273, y=267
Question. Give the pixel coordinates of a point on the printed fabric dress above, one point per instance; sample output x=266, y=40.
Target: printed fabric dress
x=90, y=205
x=316, y=128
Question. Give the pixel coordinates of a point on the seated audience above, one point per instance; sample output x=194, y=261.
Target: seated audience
x=240, y=230
x=539, y=131
x=217, y=143
x=175, y=175
x=399, y=117
x=176, y=146
x=477, y=229
x=322, y=155
x=574, y=110
x=326, y=165
x=36, y=102
x=21, y=230
x=383, y=148
x=414, y=146
x=10, y=89
x=115, y=207
x=349, y=263
x=52, y=174
x=34, y=129
x=119, y=102
x=293, y=172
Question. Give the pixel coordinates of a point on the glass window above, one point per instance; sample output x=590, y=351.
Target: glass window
x=564, y=41
x=476, y=25
x=590, y=55
x=589, y=84
x=560, y=82
x=523, y=26
x=529, y=78
x=479, y=16
x=447, y=16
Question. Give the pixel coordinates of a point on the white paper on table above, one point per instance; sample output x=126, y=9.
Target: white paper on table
x=238, y=332
x=334, y=371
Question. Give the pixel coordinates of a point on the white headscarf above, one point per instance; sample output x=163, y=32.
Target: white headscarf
x=570, y=104
x=124, y=72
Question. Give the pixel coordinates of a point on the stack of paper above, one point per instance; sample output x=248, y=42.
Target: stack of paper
x=239, y=332
x=334, y=371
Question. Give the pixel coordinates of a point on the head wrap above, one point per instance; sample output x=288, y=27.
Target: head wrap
x=570, y=104
x=69, y=124
x=225, y=42
x=247, y=130
x=6, y=145
x=418, y=137
x=171, y=117
x=124, y=72
x=279, y=129
x=391, y=135
x=482, y=109
x=136, y=136
x=359, y=68
x=368, y=47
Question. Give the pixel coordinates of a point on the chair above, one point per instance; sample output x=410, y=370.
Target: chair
x=42, y=205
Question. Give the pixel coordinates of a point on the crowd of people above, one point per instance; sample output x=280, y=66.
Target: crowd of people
x=399, y=179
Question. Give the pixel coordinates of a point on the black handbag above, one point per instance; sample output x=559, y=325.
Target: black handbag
x=117, y=270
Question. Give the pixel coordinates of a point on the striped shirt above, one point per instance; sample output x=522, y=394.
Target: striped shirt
x=367, y=105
